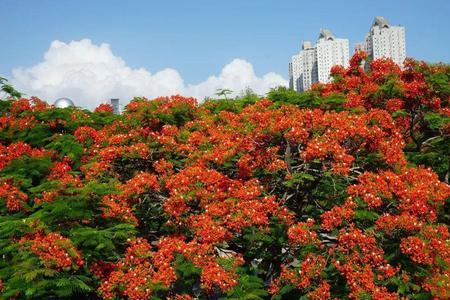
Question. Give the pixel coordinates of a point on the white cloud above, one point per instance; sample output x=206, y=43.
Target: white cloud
x=89, y=74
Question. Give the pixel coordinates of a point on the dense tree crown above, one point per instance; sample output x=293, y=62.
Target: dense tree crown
x=337, y=193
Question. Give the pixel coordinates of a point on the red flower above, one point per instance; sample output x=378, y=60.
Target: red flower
x=104, y=108
x=54, y=250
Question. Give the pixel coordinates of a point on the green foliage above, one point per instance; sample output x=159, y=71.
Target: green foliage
x=263, y=249
x=224, y=92
x=233, y=105
x=288, y=291
x=435, y=154
x=151, y=216
x=436, y=120
x=106, y=244
x=66, y=145
x=27, y=171
x=366, y=218
x=8, y=89
x=249, y=287
x=190, y=276
x=388, y=90
x=439, y=83
x=4, y=106
x=36, y=136
x=298, y=178
x=283, y=94
x=310, y=99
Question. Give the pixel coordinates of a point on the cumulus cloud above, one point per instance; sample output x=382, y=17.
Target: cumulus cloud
x=90, y=73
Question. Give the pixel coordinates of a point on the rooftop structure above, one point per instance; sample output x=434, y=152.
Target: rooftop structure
x=63, y=103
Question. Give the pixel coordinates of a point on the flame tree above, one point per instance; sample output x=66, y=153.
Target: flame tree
x=339, y=192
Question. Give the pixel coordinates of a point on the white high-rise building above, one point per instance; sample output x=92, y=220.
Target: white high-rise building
x=313, y=64
x=116, y=105
x=303, y=68
x=330, y=52
x=384, y=40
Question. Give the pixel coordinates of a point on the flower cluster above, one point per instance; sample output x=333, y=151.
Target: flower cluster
x=102, y=269
x=361, y=261
x=309, y=271
x=85, y=133
x=16, y=150
x=119, y=206
x=106, y=108
x=338, y=214
x=139, y=184
x=141, y=268
x=227, y=205
x=60, y=169
x=384, y=85
x=132, y=276
x=114, y=206
x=54, y=250
x=301, y=234
x=13, y=196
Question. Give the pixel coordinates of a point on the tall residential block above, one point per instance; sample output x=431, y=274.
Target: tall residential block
x=115, y=103
x=384, y=40
x=313, y=63
x=331, y=51
x=303, y=68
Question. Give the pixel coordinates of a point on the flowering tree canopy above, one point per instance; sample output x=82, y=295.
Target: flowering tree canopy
x=337, y=193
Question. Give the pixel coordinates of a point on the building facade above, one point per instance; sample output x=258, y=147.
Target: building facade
x=359, y=47
x=331, y=51
x=116, y=106
x=313, y=63
x=303, y=68
x=384, y=40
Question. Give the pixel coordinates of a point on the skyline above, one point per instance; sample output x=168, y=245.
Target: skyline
x=198, y=40
x=314, y=63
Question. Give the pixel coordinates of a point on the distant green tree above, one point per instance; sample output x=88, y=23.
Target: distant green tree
x=224, y=93
x=282, y=93
x=248, y=95
x=8, y=89
x=310, y=99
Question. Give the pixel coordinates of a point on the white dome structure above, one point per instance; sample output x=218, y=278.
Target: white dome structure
x=63, y=103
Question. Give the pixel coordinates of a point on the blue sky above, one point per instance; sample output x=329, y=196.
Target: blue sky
x=198, y=38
